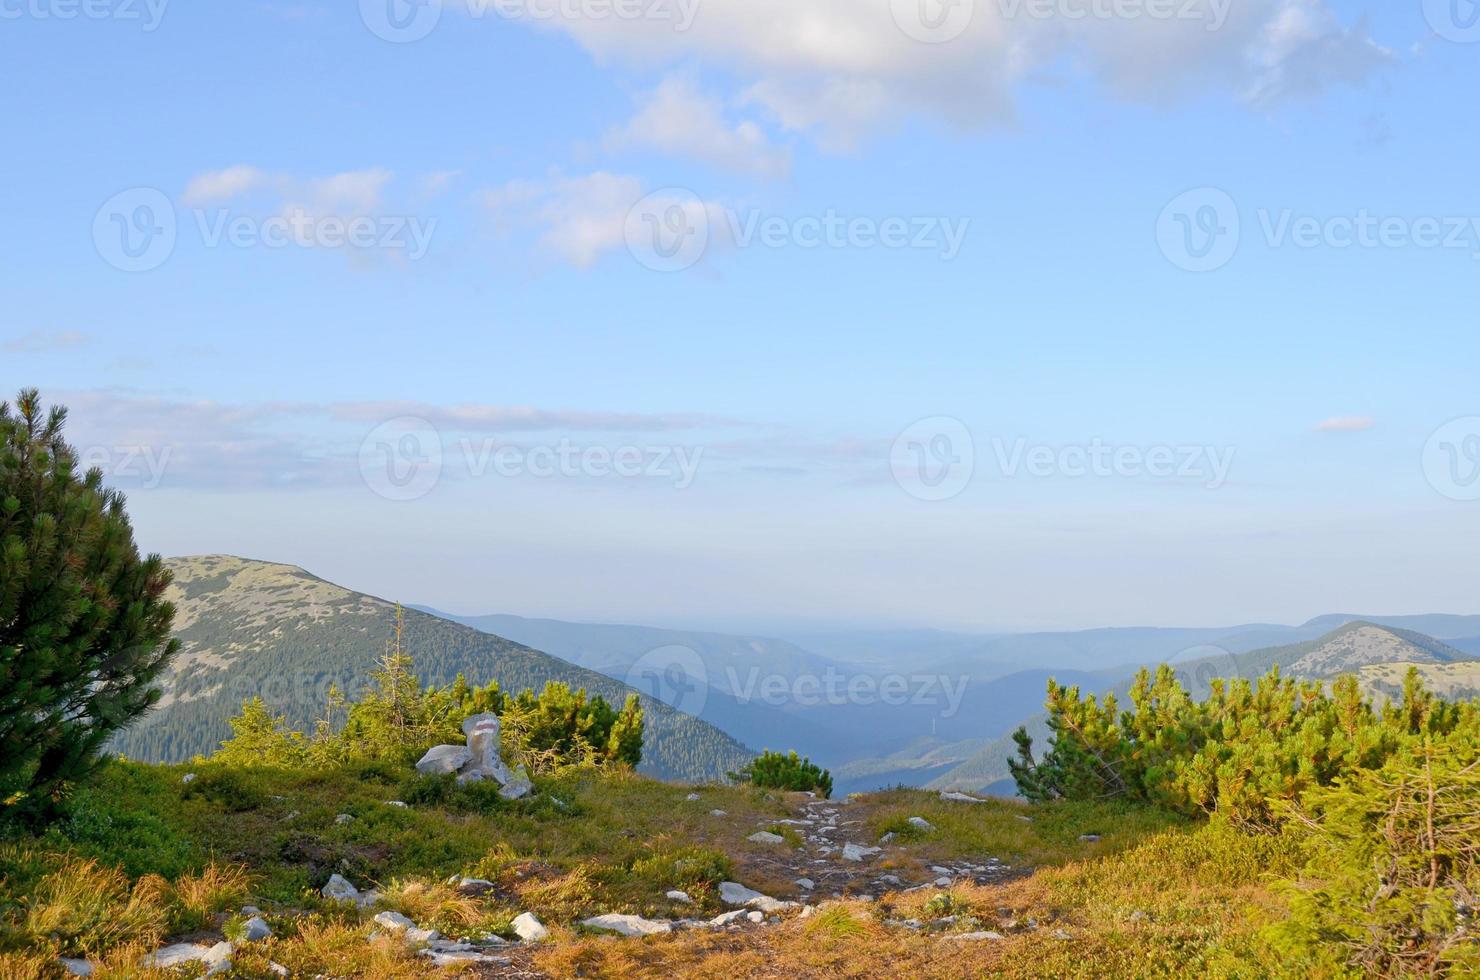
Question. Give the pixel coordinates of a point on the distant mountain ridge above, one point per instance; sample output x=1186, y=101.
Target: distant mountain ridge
x=1376, y=654
x=250, y=628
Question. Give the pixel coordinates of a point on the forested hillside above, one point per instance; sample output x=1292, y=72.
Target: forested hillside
x=252, y=629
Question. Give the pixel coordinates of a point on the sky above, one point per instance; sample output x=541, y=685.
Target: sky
x=768, y=314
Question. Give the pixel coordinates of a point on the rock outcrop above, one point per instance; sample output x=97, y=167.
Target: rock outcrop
x=479, y=760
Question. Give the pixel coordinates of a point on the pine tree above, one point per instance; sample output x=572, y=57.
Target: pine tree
x=84, y=627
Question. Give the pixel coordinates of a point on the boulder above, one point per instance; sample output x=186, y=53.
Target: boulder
x=627, y=925
x=734, y=893
x=394, y=921
x=952, y=796
x=529, y=929
x=256, y=929
x=679, y=896
x=441, y=760
x=920, y=823
x=857, y=852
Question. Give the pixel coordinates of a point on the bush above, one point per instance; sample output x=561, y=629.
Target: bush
x=773, y=770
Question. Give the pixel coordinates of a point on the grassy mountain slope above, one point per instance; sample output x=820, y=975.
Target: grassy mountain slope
x=1358, y=646
x=251, y=628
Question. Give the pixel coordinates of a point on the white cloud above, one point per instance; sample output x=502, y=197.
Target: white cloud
x=1346, y=423
x=43, y=341
x=680, y=120
x=841, y=69
x=581, y=218
x=218, y=186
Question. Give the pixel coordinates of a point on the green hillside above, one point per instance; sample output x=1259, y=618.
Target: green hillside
x=250, y=629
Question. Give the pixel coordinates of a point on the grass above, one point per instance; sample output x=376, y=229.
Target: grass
x=144, y=858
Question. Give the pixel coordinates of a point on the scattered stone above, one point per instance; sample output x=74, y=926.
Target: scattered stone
x=444, y=759
x=1089, y=838
x=718, y=813
x=1024, y=819
x=756, y=916
x=251, y=910
x=529, y=929
x=401, y=804
x=734, y=893
x=679, y=896
x=255, y=929
x=1061, y=934
x=944, y=881
x=627, y=925
x=766, y=837
x=974, y=936
x=340, y=890
x=78, y=968
x=857, y=852
x=692, y=797
x=343, y=819
x=953, y=796
x=188, y=778
x=920, y=823
x=1139, y=916
x=461, y=956
x=725, y=918
x=806, y=884
x=888, y=838
x=277, y=969
x=394, y=921
x=216, y=959
x=417, y=937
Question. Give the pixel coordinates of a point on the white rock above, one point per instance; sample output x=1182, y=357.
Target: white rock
x=959, y=797
x=692, y=797
x=474, y=886
x=443, y=759
x=189, y=777
x=251, y=910
x=462, y=956
x=277, y=969
x=718, y=813
x=400, y=804
x=974, y=936
x=806, y=883
x=340, y=890
x=725, y=918
x=78, y=968
x=530, y=929
x=394, y=921
x=627, y=925
x=734, y=893
x=888, y=838
x=766, y=837
x=418, y=936
x=255, y=929
x=679, y=896
x=756, y=916
x=920, y=823
x=943, y=882
x=217, y=958
x=343, y=819
x=857, y=852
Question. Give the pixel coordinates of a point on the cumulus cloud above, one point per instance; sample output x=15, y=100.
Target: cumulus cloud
x=1346, y=423
x=841, y=69
x=218, y=186
x=680, y=120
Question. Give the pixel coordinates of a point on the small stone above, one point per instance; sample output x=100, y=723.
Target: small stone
x=718, y=813
x=394, y=921
x=679, y=896
x=529, y=929
x=1061, y=934
x=974, y=936
x=340, y=890
x=807, y=884
x=251, y=910
x=188, y=778
x=857, y=852
x=1139, y=916
x=78, y=968
x=277, y=968
x=952, y=796
x=399, y=804
x=418, y=936
x=920, y=823
x=475, y=886
x=766, y=837
x=1089, y=838
x=943, y=882
x=756, y=916
x=343, y=819
x=255, y=929
x=725, y=918
x=888, y=838
x=627, y=925
x=692, y=797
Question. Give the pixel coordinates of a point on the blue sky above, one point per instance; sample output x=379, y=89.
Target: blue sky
x=249, y=397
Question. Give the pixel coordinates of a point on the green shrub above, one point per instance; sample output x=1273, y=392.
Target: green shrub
x=773, y=770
